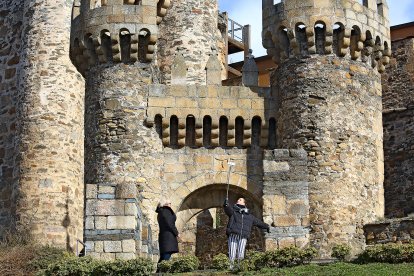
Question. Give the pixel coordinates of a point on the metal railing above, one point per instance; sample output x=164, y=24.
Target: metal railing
x=236, y=30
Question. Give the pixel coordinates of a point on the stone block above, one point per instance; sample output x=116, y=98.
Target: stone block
x=89, y=223
x=103, y=189
x=125, y=256
x=112, y=246
x=271, y=244
x=287, y=221
x=131, y=209
x=126, y=190
x=286, y=242
x=104, y=207
x=121, y=222
x=99, y=247
x=100, y=223
x=107, y=256
x=273, y=166
x=89, y=246
x=302, y=242
x=128, y=246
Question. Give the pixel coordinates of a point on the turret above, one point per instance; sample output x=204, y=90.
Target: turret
x=328, y=87
x=116, y=31
x=349, y=29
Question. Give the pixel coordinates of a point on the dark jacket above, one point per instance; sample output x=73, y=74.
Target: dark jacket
x=167, y=237
x=241, y=221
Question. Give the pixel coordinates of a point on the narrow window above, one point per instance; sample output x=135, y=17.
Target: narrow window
x=302, y=39
x=239, y=132
x=93, y=56
x=256, y=131
x=107, y=45
x=272, y=133
x=223, y=126
x=132, y=2
x=190, y=131
x=284, y=41
x=143, y=42
x=380, y=8
x=207, y=131
x=338, y=37
x=158, y=125
x=125, y=40
x=174, y=131
x=320, y=38
x=355, y=38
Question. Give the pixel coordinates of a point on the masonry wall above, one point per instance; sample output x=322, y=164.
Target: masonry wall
x=190, y=27
x=121, y=162
x=11, y=28
x=398, y=102
x=332, y=108
x=43, y=97
x=50, y=111
x=400, y=230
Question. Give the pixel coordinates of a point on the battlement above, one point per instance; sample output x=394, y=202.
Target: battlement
x=212, y=115
x=115, y=31
x=355, y=29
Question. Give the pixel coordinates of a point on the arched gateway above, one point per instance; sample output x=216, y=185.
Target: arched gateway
x=202, y=222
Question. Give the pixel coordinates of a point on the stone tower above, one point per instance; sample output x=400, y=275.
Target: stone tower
x=43, y=140
x=191, y=28
x=328, y=85
x=113, y=45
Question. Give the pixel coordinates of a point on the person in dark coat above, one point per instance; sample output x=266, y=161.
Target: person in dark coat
x=168, y=235
x=239, y=228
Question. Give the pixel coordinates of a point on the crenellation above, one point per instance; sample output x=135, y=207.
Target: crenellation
x=296, y=33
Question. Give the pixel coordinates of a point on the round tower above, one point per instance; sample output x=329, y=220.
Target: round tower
x=50, y=128
x=113, y=45
x=190, y=27
x=330, y=55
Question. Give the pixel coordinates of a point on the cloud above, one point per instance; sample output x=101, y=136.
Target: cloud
x=250, y=12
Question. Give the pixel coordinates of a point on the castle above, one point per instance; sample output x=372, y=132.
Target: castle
x=108, y=105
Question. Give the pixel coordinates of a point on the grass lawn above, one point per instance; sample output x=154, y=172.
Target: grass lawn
x=338, y=269
x=342, y=269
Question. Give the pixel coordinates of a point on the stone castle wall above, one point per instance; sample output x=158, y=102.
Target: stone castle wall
x=121, y=161
x=329, y=102
x=43, y=85
x=323, y=110
x=51, y=130
x=11, y=26
x=191, y=28
x=399, y=230
x=398, y=102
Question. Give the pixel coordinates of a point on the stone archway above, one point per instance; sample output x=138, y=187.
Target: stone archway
x=201, y=219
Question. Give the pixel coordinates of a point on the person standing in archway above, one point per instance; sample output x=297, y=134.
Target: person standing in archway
x=168, y=235
x=239, y=228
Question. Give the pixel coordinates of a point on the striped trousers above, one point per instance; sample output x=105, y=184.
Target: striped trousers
x=237, y=244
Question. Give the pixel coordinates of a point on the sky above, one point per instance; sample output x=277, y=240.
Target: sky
x=250, y=12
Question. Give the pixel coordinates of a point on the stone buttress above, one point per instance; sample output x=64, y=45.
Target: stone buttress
x=47, y=130
x=328, y=87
